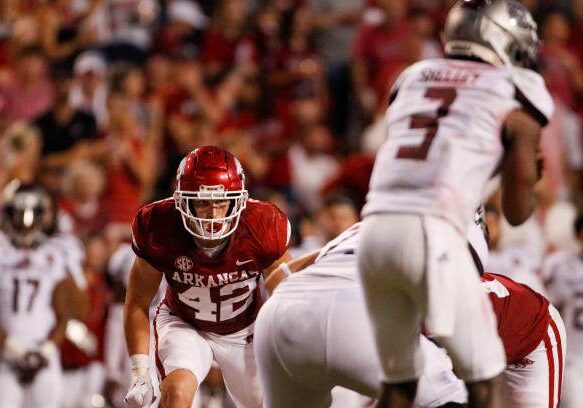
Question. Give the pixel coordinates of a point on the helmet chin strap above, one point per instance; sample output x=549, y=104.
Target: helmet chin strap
x=211, y=251
x=200, y=228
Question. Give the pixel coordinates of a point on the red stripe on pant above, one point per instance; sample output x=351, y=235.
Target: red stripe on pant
x=560, y=357
x=551, y=362
x=159, y=365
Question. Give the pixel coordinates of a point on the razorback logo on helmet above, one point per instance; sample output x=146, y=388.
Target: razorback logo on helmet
x=239, y=169
x=180, y=171
x=184, y=263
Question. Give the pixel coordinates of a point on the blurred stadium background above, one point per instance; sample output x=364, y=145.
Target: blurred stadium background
x=99, y=100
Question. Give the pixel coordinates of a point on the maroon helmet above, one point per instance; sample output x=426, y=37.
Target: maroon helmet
x=210, y=173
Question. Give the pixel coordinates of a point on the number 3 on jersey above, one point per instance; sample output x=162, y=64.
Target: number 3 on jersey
x=428, y=122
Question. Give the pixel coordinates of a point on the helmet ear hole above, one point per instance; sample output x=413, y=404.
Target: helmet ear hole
x=515, y=54
x=520, y=57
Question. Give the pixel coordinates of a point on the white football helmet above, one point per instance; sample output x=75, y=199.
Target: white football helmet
x=499, y=32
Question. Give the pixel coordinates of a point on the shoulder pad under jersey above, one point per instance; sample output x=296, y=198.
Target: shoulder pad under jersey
x=533, y=95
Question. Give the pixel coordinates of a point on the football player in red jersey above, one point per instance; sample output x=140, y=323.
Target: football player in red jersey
x=214, y=246
x=532, y=332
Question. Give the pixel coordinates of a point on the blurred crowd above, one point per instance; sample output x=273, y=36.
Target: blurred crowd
x=100, y=99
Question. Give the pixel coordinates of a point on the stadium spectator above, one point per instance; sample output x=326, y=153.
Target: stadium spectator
x=127, y=27
x=67, y=134
x=63, y=33
x=334, y=24
x=227, y=43
x=559, y=65
x=129, y=156
x=90, y=89
x=29, y=92
x=337, y=214
x=82, y=188
x=180, y=34
x=380, y=48
x=20, y=148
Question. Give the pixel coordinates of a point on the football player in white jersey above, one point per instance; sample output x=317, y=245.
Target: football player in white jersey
x=40, y=276
x=313, y=334
x=517, y=261
x=565, y=288
x=451, y=124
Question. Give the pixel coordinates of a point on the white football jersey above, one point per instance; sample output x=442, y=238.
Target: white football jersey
x=519, y=264
x=28, y=278
x=119, y=267
x=444, y=136
x=565, y=289
x=335, y=265
x=120, y=262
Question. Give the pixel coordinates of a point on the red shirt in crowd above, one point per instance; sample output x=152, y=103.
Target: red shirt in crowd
x=123, y=194
x=383, y=49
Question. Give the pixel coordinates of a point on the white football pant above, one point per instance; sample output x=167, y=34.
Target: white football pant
x=307, y=342
x=178, y=345
x=417, y=273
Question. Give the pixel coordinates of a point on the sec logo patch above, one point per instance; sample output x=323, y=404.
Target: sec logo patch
x=183, y=263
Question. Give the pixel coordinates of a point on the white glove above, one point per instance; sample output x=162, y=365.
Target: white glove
x=12, y=350
x=78, y=334
x=141, y=392
x=48, y=349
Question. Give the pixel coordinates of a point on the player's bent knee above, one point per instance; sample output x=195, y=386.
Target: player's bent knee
x=178, y=389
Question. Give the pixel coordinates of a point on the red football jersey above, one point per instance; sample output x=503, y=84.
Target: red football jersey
x=522, y=314
x=222, y=293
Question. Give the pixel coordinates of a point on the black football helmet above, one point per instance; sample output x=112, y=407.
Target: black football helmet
x=28, y=214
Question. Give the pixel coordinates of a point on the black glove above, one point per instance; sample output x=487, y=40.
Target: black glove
x=29, y=366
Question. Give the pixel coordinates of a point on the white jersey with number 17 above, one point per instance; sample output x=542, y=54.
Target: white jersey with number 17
x=444, y=136
x=28, y=278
